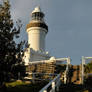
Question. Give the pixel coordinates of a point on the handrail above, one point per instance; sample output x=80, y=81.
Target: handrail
x=55, y=84
x=53, y=60
x=42, y=62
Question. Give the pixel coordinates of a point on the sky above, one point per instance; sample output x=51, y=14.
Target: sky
x=69, y=22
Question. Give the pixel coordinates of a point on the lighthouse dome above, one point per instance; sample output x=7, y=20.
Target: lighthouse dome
x=37, y=9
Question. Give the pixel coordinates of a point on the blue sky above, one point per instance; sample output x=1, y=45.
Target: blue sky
x=69, y=22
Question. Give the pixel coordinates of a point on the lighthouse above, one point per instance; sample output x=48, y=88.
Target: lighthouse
x=37, y=30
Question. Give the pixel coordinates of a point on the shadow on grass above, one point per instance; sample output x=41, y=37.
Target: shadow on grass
x=31, y=87
x=74, y=88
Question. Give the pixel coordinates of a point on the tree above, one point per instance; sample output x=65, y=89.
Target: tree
x=10, y=51
x=88, y=67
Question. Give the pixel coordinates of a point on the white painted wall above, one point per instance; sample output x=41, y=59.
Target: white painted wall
x=36, y=38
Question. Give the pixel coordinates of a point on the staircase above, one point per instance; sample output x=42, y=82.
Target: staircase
x=74, y=80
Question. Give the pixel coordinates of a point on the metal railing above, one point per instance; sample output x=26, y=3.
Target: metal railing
x=53, y=85
x=68, y=60
x=41, y=62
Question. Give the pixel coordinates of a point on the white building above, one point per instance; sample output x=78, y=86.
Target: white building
x=37, y=31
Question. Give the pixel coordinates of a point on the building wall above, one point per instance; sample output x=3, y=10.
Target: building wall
x=30, y=55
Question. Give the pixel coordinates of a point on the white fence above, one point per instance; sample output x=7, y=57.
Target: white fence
x=54, y=84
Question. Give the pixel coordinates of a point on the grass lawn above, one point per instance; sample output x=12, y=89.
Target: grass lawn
x=20, y=86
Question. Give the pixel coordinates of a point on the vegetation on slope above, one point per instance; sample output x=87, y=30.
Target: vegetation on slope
x=23, y=86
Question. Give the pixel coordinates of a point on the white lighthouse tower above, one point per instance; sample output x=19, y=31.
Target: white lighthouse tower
x=37, y=30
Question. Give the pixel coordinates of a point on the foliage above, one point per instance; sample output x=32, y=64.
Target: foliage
x=88, y=67
x=88, y=80
x=16, y=83
x=19, y=71
x=25, y=87
x=10, y=52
